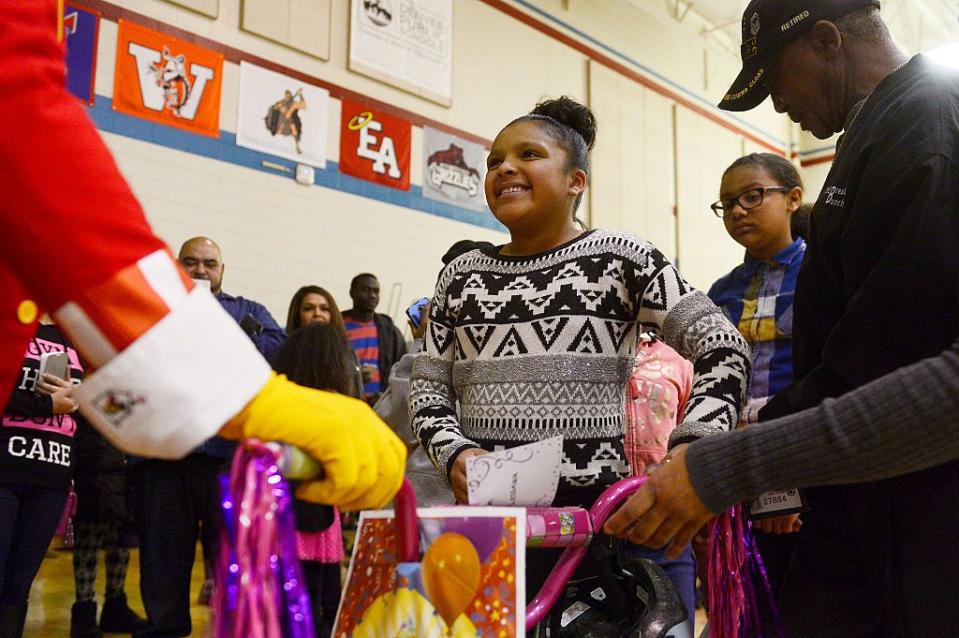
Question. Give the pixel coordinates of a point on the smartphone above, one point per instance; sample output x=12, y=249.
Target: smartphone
x=251, y=326
x=415, y=311
x=55, y=363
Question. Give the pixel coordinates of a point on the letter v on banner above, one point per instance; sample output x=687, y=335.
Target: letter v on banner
x=375, y=146
x=166, y=80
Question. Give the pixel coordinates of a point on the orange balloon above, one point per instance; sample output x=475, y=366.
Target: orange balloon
x=451, y=575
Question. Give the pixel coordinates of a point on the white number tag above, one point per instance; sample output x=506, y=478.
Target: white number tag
x=777, y=503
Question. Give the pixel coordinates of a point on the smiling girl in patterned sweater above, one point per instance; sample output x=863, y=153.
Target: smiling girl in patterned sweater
x=536, y=338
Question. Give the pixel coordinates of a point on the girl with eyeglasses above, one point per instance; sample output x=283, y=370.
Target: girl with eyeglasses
x=758, y=197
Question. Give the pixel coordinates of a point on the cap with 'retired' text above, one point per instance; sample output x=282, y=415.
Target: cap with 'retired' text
x=768, y=26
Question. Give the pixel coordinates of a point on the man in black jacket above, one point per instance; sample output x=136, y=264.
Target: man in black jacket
x=878, y=290
x=374, y=337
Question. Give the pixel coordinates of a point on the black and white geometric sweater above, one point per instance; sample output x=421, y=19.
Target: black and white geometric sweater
x=536, y=346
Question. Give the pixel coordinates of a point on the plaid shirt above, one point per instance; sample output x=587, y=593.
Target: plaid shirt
x=757, y=296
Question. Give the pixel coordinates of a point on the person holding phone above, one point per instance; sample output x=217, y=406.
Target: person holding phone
x=36, y=445
x=202, y=258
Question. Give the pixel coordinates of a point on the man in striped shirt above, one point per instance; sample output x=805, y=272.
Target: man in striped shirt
x=374, y=337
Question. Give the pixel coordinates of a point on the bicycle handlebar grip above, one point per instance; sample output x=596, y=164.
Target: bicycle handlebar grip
x=557, y=526
x=295, y=464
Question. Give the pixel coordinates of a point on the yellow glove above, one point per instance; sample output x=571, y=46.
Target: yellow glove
x=363, y=461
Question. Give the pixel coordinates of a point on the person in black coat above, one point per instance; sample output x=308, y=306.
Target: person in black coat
x=100, y=481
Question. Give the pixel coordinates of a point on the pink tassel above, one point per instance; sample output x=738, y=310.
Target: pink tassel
x=735, y=570
x=260, y=592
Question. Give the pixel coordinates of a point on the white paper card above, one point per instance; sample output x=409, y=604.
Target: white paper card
x=527, y=475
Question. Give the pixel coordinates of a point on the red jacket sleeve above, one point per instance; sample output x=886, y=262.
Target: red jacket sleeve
x=69, y=221
x=173, y=366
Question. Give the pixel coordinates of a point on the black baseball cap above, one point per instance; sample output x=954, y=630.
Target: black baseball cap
x=768, y=26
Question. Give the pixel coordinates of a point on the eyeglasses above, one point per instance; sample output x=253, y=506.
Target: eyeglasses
x=748, y=200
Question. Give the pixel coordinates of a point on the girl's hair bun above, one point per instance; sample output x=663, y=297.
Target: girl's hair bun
x=571, y=113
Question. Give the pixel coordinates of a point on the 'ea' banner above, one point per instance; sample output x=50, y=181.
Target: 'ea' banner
x=80, y=29
x=375, y=146
x=282, y=116
x=166, y=80
x=453, y=170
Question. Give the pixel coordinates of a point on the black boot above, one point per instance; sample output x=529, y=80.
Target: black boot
x=83, y=620
x=12, y=618
x=118, y=618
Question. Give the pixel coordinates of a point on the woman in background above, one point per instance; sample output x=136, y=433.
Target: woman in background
x=313, y=304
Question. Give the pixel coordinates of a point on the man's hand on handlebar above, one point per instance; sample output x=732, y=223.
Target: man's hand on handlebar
x=665, y=511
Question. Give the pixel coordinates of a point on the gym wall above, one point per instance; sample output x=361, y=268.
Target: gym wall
x=651, y=78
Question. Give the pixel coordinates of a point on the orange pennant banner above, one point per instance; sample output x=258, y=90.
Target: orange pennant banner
x=166, y=80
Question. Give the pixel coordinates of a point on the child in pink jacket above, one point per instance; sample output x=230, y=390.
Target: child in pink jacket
x=656, y=395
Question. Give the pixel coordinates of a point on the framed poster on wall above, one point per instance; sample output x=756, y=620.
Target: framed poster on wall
x=204, y=7
x=303, y=25
x=405, y=43
x=453, y=170
x=282, y=116
x=375, y=146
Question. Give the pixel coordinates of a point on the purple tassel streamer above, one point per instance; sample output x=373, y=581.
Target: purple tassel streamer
x=738, y=586
x=260, y=592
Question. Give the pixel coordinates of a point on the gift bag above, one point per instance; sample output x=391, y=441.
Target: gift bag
x=440, y=572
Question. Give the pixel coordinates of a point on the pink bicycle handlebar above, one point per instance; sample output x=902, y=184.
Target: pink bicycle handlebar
x=573, y=556
x=407, y=531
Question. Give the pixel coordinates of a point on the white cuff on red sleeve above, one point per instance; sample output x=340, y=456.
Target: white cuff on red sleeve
x=175, y=386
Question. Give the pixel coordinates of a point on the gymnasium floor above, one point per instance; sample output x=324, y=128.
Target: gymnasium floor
x=52, y=595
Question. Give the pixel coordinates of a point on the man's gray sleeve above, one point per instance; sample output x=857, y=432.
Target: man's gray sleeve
x=903, y=422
